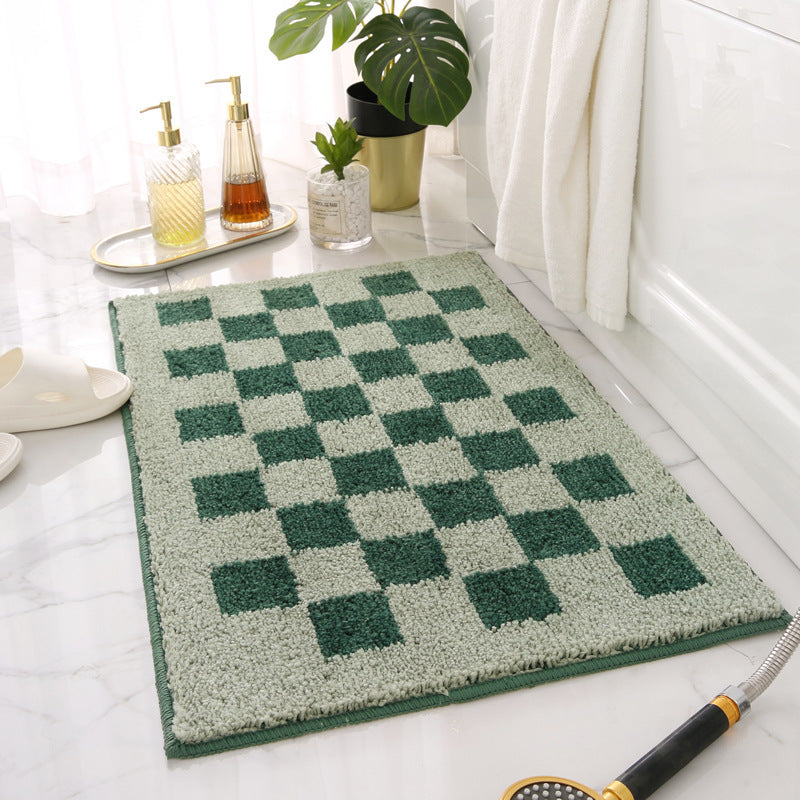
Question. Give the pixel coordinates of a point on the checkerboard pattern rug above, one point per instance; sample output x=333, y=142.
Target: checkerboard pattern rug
x=372, y=491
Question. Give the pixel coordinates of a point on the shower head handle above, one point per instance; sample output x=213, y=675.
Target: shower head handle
x=672, y=754
x=652, y=770
x=681, y=746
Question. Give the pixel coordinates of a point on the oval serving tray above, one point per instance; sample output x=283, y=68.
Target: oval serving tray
x=136, y=250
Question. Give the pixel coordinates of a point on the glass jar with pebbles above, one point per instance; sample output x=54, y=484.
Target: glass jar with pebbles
x=339, y=214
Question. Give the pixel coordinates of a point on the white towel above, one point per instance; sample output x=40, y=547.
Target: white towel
x=563, y=105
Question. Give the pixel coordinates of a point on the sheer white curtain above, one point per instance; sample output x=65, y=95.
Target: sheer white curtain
x=75, y=73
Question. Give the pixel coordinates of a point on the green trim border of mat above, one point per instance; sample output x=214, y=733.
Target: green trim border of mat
x=174, y=748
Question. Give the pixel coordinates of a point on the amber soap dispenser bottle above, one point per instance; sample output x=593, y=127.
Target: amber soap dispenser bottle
x=245, y=204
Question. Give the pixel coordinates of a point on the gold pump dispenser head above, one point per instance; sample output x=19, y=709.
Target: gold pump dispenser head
x=237, y=110
x=170, y=136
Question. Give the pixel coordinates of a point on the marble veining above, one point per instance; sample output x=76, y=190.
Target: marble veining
x=78, y=709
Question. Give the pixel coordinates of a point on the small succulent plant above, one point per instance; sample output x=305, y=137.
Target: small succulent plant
x=340, y=149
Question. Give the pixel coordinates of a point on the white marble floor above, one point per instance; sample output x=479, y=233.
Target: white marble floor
x=78, y=709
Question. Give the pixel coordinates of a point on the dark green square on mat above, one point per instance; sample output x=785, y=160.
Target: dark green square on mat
x=317, y=525
x=290, y=297
x=494, y=348
x=288, y=444
x=336, y=403
x=228, y=494
x=174, y=313
x=420, y=330
x=658, y=566
x=378, y=364
x=204, y=422
x=509, y=595
x=311, y=345
x=247, y=327
x=552, y=533
x=356, y=312
x=196, y=361
x=455, y=385
x=499, y=450
x=418, y=425
x=450, y=504
x=462, y=298
x=405, y=559
x=253, y=585
x=592, y=478
x=363, y=473
x=266, y=381
x=399, y=282
x=537, y=406
x=352, y=622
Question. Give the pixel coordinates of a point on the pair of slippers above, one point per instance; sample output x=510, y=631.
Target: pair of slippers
x=41, y=390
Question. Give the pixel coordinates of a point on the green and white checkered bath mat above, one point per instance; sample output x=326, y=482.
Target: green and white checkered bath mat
x=372, y=491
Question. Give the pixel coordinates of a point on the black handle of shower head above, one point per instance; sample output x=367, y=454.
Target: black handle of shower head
x=675, y=752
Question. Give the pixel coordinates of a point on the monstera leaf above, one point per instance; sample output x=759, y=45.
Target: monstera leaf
x=300, y=28
x=426, y=46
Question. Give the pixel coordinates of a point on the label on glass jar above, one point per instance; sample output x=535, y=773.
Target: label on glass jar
x=326, y=215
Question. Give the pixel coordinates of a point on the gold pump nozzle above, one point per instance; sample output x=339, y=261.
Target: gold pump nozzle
x=170, y=136
x=237, y=110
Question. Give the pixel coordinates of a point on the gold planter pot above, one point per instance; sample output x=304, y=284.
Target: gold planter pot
x=393, y=149
x=395, y=169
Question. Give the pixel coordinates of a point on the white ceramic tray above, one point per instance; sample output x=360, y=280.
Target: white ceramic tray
x=136, y=250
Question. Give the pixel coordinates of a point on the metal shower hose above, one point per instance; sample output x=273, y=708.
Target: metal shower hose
x=774, y=662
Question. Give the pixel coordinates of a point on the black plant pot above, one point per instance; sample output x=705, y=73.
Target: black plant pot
x=393, y=149
x=370, y=118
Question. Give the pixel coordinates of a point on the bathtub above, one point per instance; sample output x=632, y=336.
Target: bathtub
x=714, y=324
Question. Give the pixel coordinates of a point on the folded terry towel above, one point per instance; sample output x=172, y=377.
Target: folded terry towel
x=563, y=103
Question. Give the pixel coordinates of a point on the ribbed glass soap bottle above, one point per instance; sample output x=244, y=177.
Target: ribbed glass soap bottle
x=174, y=187
x=245, y=204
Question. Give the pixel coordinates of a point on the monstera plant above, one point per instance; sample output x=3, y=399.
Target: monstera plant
x=418, y=47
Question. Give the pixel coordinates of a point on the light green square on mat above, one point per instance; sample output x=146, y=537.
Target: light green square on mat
x=441, y=356
x=435, y=462
x=484, y=320
x=410, y=304
x=275, y=412
x=391, y=395
x=388, y=513
x=332, y=571
x=301, y=320
x=325, y=373
x=481, y=546
x=355, y=435
x=300, y=482
x=366, y=338
x=204, y=333
x=532, y=488
x=480, y=415
x=242, y=355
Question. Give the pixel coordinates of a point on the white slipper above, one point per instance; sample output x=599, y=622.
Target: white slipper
x=40, y=390
x=10, y=453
